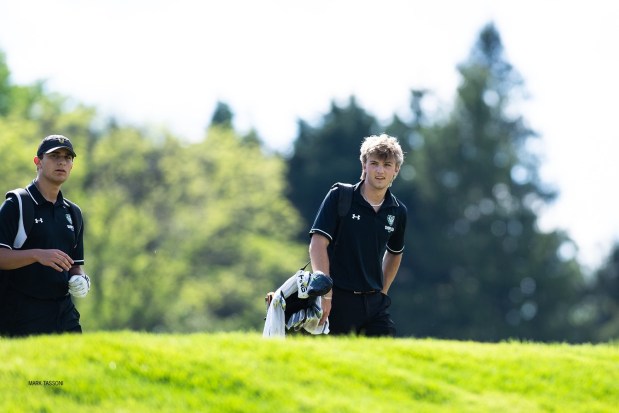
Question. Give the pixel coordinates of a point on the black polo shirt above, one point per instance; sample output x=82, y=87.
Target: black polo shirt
x=356, y=258
x=52, y=229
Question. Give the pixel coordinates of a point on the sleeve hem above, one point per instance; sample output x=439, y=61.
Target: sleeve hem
x=316, y=230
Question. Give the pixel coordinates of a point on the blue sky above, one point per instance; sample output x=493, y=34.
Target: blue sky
x=166, y=64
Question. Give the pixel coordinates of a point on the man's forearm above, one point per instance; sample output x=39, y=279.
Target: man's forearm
x=391, y=264
x=13, y=259
x=318, y=254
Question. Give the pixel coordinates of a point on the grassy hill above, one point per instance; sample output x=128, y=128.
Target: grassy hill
x=237, y=372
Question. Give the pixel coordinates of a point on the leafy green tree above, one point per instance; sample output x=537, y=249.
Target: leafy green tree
x=179, y=237
x=5, y=86
x=187, y=237
x=123, y=232
x=27, y=114
x=236, y=227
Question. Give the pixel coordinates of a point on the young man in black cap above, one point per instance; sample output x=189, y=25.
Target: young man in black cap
x=362, y=250
x=42, y=266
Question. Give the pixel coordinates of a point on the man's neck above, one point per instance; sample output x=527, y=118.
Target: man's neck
x=372, y=195
x=49, y=190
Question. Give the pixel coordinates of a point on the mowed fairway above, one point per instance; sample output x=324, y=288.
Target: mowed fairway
x=238, y=372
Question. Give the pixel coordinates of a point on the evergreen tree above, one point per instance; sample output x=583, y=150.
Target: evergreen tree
x=222, y=116
x=479, y=266
x=326, y=154
x=601, y=305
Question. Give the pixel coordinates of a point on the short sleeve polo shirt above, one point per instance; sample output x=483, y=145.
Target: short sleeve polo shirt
x=357, y=248
x=52, y=229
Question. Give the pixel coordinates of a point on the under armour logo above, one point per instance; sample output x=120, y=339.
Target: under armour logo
x=38, y=220
x=357, y=217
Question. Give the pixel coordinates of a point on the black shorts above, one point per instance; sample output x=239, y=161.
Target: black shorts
x=24, y=315
x=362, y=314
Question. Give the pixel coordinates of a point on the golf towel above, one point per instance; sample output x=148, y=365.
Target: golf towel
x=275, y=323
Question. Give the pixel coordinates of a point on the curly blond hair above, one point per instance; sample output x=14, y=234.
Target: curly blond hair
x=382, y=146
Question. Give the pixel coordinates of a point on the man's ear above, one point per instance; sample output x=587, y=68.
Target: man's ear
x=37, y=161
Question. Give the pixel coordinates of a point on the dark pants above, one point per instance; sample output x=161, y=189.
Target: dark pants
x=24, y=315
x=362, y=314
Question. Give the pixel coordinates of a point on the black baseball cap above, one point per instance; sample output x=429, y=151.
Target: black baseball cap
x=53, y=142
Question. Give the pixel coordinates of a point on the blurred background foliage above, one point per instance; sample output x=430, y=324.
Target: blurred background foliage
x=185, y=237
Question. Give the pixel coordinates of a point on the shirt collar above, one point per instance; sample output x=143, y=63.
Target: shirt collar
x=390, y=200
x=38, y=198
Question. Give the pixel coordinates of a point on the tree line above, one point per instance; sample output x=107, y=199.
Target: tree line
x=189, y=236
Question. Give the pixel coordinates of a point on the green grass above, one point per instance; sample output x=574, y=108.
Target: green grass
x=237, y=372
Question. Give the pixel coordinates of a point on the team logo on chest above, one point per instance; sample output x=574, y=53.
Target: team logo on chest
x=390, y=221
x=70, y=222
x=357, y=217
